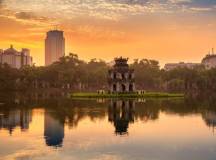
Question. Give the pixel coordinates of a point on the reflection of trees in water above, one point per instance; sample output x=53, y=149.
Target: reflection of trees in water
x=180, y=107
x=120, y=112
x=57, y=114
x=72, y=112
x=147, y=111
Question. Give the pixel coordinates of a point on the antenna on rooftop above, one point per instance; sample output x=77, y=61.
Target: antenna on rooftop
x=212, y=50
x=55, y=27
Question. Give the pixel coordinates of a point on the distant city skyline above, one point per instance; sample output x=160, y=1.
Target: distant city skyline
x=168, y=31
x=59, y=55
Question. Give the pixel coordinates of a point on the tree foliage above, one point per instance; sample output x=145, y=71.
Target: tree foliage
x=72, y=73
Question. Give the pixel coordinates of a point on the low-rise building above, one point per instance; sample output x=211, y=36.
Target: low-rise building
x=209, y=61
x=14, y=58
x=171, y=66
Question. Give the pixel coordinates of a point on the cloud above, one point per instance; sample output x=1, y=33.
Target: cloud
x=102, y=9
x=1, y=2
x=30, y=16
x=115, y=10
x=23, y=154
x=24, y=15
x=181, y=1
x=200, y=9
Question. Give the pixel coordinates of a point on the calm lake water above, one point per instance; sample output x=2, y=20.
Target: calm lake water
x=144, y=129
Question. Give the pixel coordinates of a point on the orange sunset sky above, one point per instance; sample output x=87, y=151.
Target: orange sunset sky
x=165, y=30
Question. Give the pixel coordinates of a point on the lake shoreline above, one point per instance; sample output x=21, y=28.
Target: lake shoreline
x=126, y=95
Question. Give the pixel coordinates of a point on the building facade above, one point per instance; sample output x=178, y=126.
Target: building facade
x=209, y=61
x=14, y=58
x=54, y=46
x=171, y=66
x=121, y=77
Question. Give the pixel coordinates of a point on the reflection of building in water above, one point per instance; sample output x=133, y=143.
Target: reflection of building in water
x=121, y=113
x=15, y=118
x=53, y=130
x=210, y=119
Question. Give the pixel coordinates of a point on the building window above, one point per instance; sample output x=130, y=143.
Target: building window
x=131, y=87
x=114, y=76
x=130, y=76
x=123, y=88
x=123, y=76
x=114, y=87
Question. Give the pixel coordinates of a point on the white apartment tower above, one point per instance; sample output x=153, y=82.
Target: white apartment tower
x=14, y=58
x=209, y=61
x=54, y=46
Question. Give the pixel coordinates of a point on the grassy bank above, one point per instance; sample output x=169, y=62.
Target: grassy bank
x=128, y=95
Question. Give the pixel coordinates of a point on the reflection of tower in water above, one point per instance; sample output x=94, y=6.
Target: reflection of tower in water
x=53, y=130
x=121, y=113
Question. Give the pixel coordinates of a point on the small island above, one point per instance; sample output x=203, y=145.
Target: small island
x=121, y=82
x=128, y=95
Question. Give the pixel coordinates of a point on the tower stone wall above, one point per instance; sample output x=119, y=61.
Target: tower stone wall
x=121, y=77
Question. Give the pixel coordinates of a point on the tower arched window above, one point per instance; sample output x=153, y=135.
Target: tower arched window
x=130, y=76
x=123, y=76
x=114, y=76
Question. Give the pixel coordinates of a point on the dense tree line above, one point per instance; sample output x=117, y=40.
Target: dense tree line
x=72, y=73
x=68, y=73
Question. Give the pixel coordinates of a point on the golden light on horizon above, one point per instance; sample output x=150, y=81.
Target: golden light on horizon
x=168, y=32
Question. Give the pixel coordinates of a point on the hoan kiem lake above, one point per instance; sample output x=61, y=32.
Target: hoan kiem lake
x=39, y=127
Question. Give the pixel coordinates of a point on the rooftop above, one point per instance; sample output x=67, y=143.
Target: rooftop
x=209, y=56
x=121, y=62
x=10, y=50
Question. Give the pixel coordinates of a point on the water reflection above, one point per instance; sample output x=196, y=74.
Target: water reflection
x=61, y=113
x=121, y=113
x=10, y=119
x=53, y=130
x=210, y=119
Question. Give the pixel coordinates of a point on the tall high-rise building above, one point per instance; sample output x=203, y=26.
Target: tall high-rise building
x=54, y=46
